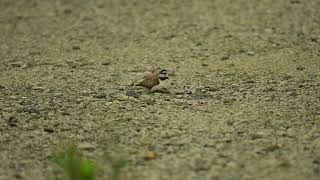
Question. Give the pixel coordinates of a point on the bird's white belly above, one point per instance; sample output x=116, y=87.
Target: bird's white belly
x=162, y=85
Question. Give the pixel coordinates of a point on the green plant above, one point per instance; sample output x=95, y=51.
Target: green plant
x=74, y=165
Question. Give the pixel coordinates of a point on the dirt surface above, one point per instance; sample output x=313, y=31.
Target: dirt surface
x=244, y=101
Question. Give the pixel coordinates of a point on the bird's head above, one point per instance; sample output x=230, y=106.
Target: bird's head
x=163, y=74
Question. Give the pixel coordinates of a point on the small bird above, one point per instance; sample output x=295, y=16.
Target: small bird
x=157, y=81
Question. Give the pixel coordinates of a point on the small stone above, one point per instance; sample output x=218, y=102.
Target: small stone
x=314, y=39
x=198, y=44
x=25, y=66
x=229, y=100
x=17, y=176
x=58, y=94
x=257, y=135
x=171, y=73
x=242, y=51
x=20, y=108
x=316, y=161
x=106, y=63
x=301, y=68
x=272, y=148
x=127, y=118
x=148, y=155
x=132, y=93
x=225, y=57
x=294, y=94
x=232, y=164
x=295, y=2
x=287, y=77
x=190, y=102
x=16, y=64
x=122, y=98
x=35, y=115
x=250, y=53
x=38, y=88
x=65, y=113
x=100, y=95
x=179, y=92
x=291, y=132
x=274, y=45
x=67, y=11
x=13, y=97
x=75, y=47
x=11, y=120
x=48, y=130
x=250, y=81
x=32, y=109
x=86, y=146
x=79, y=100
x=179, y=96
x=7, y=109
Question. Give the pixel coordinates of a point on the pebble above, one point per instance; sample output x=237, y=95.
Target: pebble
x=17, y=175
x=295, y=2
x=132, y=93
x=301, y=68
x=7, y=109
x=229, y=100
x=11, y=119
x=58, y=94
x=13, y=97
x=16, y=64
x=257, y=135
x=314, y=39
x=65, y=113
x=287, y=77
x=225, y=57
x=67, y=11
x=294, y=94
x=35, y=115
x=291, y=132
x=48, y=130
x=38, y=88
x=250, y=53
x=8, y=117
x=148, y=155
x=179, y=92
x=100, y=95
x=190, y=102
x=122, y=98
x=171, y=73
x=20, y=108
x=76, y=47
x=32, y=109
x=86, y=146
x=179, y=96
x=272, y=148
x=106, y=63
x=204, y=64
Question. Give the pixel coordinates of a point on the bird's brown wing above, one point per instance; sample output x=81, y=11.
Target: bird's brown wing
x=150, y=80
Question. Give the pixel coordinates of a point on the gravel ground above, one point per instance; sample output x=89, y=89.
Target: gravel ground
x=244, y=101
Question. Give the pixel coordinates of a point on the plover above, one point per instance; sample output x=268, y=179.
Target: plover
x=156, y=81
